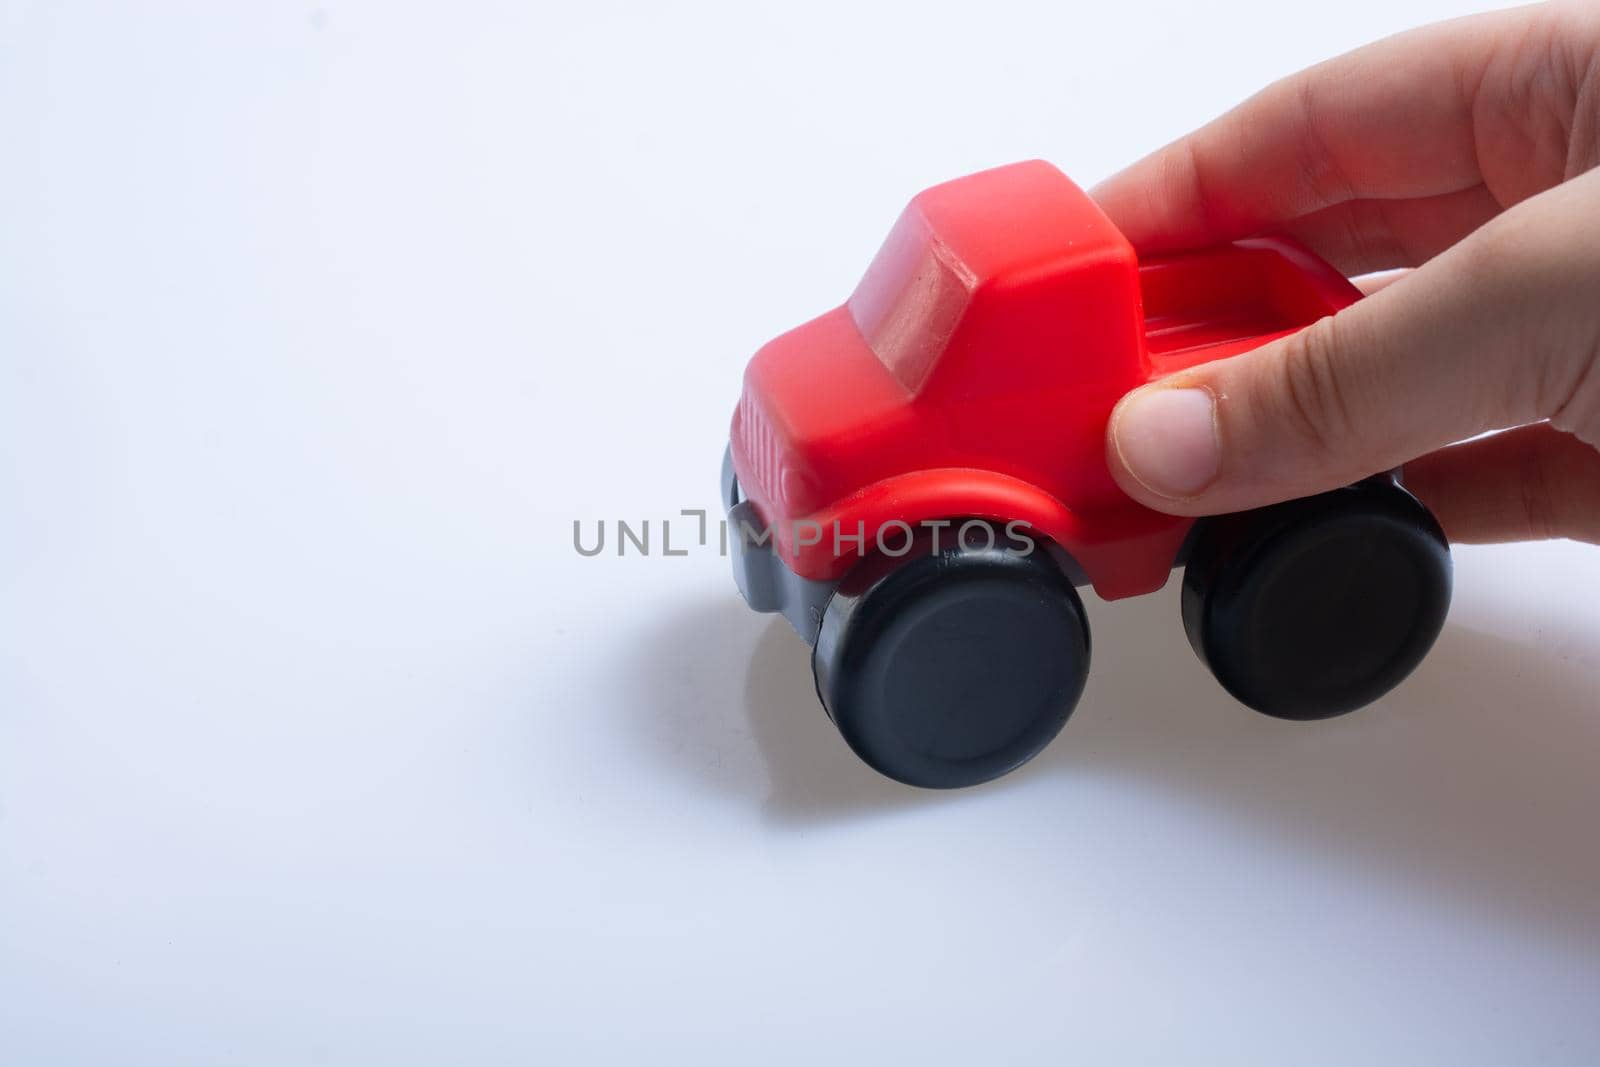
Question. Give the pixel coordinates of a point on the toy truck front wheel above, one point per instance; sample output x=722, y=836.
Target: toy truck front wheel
x=945, y=666
x=952, y=666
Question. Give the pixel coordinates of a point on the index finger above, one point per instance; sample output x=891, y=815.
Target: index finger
x=1391, y=120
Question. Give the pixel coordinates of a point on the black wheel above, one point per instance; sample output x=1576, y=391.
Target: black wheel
x=949, y=668
x=1319, y=606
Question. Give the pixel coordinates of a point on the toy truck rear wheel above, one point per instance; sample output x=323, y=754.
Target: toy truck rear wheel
x=1316, y=607
x=952, y=667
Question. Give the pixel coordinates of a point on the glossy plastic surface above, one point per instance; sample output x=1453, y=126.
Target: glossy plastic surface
x=973, y=370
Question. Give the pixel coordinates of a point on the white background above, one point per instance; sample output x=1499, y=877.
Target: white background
x=319, y=744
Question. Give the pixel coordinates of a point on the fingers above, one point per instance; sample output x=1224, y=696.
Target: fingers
x=1528, y=484
x=1362, y=236
x=1394, y=120
x=1501, y=330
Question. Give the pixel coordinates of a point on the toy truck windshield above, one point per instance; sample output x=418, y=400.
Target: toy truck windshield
x=911, y=299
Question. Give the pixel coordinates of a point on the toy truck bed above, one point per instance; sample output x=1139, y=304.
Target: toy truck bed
x=1210, y=305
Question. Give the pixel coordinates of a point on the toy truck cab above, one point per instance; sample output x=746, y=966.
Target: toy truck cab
x=972, y=371
x=969, y=374
x=967, y=382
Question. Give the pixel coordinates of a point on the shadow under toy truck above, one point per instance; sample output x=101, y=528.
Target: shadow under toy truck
x=917, y=481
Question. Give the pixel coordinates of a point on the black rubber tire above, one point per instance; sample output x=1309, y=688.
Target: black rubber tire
x=950, y=668
x=1317, y=607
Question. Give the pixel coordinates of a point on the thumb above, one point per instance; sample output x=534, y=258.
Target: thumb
x=1500, y=330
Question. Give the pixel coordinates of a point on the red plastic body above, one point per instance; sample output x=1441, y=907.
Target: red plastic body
x=972, y=372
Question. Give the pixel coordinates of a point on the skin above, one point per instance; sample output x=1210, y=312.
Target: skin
x=1463, y=152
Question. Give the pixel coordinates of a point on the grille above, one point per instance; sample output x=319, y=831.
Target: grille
x=760, y=448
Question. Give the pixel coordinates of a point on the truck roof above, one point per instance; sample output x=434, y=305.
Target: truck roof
x=1015, y=218
x=1005, y=226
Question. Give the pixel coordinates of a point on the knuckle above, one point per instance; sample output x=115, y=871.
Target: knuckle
x=1576, y=408
x=1537, y=277
x=1567, y=338
x=1327, y=181
x=1200, y=192
x=1558, y=494
x=1315, y=402
x=1490, y=257
x=1537, y=503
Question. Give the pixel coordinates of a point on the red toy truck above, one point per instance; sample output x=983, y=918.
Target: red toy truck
x=917, y=481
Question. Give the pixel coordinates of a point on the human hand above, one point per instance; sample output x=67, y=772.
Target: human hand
x=1465, y=150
